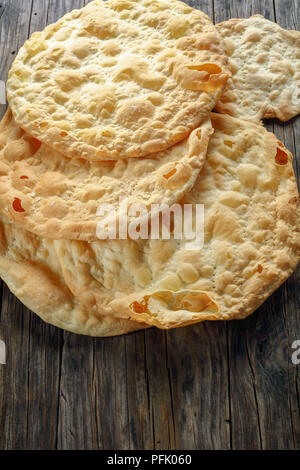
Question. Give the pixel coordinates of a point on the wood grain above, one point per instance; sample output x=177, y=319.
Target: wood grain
x=209, y=386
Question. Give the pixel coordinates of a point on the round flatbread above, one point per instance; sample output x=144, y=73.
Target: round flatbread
x=265, y=65
x=251, y=242
x=58, y=197
x=118, y=79
x=31, y=269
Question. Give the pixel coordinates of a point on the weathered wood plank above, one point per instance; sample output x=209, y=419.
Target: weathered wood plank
x=245, y=419
x=15, y=377
x=161, y=406
x=257, y=418
x=197, y=364
x=116, y=426
x=203, y=5
x=288, y=13
x=140, y=418
x=224, y=9
x=78, y=404
x=58, y=8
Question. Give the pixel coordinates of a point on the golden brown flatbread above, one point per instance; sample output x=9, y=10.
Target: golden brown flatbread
x=58, y=197
x=118, y=78
x=32, y=271
x=265, y=65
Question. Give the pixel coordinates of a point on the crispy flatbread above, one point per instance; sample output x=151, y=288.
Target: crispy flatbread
x=118, y=78
x=265, y=65
x=58, y=197
x=251, y=243
x=32, y=271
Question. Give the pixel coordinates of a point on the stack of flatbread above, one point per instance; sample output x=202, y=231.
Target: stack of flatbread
x=115, y=101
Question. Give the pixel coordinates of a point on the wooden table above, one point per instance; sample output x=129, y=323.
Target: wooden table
x=209, y=386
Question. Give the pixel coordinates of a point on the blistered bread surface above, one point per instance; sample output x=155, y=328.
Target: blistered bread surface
x=265, y=66
x=58, y=197
x=251, y=241
x=118, y=78
x=30, y=267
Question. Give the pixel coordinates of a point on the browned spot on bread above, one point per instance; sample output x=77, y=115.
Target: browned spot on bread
x=140, y=307
x=171, y=173
x=17, y=205
x=281, y=157
x=212, y=69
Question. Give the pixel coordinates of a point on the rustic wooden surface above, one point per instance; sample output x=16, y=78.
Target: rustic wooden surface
x=210, y=386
